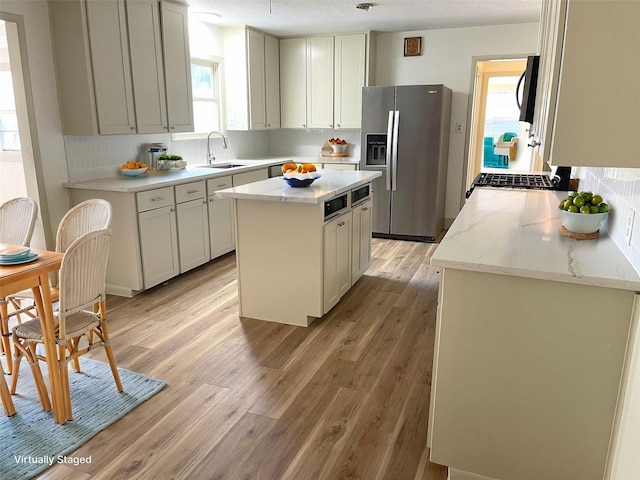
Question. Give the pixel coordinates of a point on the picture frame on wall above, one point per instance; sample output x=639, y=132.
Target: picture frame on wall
x=412, y=46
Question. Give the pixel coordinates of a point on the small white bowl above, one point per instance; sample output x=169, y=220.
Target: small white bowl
x=180, y=164
x=582, y=222
x=133, y=172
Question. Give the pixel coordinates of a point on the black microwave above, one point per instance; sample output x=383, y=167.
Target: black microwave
x=334, y=206
x=530, y=79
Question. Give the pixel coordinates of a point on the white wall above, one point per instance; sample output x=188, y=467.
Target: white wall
x=49, y=146
x=447, y=59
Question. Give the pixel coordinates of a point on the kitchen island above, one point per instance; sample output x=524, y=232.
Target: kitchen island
x=168, y=222
x=296, y=256
x=535, y=336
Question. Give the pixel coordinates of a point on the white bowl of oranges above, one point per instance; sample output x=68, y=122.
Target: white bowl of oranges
x=583, y=212
x=133, y=169
x=299, y=175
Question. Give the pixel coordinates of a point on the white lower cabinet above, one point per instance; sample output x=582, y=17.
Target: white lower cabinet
x=528, y=388
x=193, y=225
x=158, y=236
x=250, y=177
x=221, y=228
x=361, y=240
x=337, y=259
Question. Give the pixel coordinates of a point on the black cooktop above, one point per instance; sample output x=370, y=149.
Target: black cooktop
x=515, y=180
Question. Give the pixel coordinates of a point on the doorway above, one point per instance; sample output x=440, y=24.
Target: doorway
x=20, y=174
x=497, y=139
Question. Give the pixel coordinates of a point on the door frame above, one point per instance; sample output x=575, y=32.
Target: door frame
x=27, y=127
x=470, y=112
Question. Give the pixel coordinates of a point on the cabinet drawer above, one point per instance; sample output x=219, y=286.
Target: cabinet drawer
x=219, y=183
x=190, y=191
x=160, y=197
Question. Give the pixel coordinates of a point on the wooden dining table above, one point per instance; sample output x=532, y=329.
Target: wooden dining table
x=35, y=276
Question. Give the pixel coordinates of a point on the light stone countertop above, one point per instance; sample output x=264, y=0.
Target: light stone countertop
x=516, y=232
x=330, y=184
x=162, y=178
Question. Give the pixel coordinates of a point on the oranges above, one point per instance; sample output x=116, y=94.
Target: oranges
x=298, y=168
x=131, y=165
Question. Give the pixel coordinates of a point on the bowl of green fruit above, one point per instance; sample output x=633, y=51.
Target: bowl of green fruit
x=583, y=212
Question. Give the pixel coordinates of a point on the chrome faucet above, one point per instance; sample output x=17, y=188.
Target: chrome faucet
x=210, y=157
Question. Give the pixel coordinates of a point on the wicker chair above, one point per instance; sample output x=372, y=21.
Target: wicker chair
x=88, y=216
x=78, y=330
x=17, y=221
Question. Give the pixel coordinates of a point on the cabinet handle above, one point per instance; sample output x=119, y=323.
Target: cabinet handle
x=173, y=128
x=172, y=210
x=191, y=192
x=364, y=209
x=211, y=199
x=303, y=125
x=132, y=128
x=221, y=185
x=157, y=199
x=341, y=224
x=338, y=125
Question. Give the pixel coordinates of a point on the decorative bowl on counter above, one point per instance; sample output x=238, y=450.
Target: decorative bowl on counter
x=133, y=172
x=164, y=164
x=300, y=180
x=582, y=222
x=180, y=164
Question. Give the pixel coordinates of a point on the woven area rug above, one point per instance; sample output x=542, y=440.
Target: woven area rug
x=30, y=440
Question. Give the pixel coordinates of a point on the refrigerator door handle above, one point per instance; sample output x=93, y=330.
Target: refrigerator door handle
x=394, y=153
x=388, y=150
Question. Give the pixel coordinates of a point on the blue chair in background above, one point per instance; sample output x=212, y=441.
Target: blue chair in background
x=490, y=159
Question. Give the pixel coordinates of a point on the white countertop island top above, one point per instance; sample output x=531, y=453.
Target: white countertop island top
x=516, y=232
x=330, y=184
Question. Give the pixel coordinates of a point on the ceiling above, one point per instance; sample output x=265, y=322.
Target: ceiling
x=300, y=17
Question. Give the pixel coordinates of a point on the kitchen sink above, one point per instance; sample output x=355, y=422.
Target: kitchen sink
x=224, y=165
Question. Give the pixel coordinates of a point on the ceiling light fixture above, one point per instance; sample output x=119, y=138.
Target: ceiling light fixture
x=364, y=6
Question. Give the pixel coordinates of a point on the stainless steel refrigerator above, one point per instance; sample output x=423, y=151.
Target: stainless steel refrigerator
x=405, y=135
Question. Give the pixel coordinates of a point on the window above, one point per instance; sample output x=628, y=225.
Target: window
x=9, y=136
x=206, y=96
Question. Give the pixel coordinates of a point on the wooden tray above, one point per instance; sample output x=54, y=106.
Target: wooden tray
x=334, y=154
x=578, y=236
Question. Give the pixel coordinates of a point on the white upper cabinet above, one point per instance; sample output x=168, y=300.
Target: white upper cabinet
x=252, y=73
x=587, y=99
x=350, y=77
x=112, y=68
x=177, y=66
x=272, y=80
x=147, y=66
x=293, y=83
x=306, y=82
x=321, y=80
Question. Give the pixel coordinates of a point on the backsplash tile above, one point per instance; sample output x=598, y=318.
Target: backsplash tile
x=101, y=156
x=620, y=187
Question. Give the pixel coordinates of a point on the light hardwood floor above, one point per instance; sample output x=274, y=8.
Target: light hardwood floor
x=346, y=398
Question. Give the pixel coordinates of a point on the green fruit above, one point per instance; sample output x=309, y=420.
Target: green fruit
x=578, y=201
x=603, y=207
x=594, y=209
x=561, y=206
x=572, y=209
x=573, y=194
x=596, y=200
x=585, y=209
x=568, y=203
